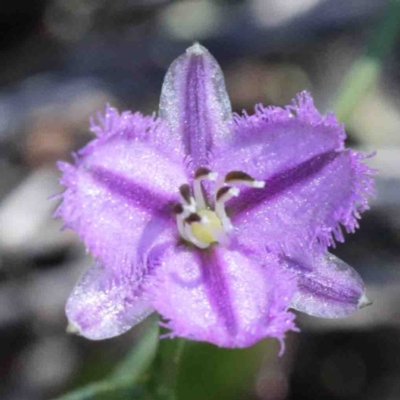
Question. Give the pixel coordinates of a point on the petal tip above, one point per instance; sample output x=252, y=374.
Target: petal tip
x=196, y=49
x=72, y=329
x=364, y=301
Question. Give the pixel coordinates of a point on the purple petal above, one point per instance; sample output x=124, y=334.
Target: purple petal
x=195, y=105
x=103, y=305
x=223, y=296
x=312, y=185
x=327, y=287
x=118, y=193
x=132, y=126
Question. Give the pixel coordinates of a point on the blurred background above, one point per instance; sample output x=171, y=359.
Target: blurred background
x=61, y=61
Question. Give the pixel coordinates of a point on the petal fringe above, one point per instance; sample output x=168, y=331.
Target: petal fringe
x=118, y=193
x=313, y=186
x=103, y=305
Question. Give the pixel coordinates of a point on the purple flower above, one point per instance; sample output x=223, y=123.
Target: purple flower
x=219, y=222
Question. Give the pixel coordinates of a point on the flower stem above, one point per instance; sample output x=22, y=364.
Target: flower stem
x=365, y=71
x=164, y=374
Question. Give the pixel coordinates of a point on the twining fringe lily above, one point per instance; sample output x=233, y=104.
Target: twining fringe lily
x=219, y=222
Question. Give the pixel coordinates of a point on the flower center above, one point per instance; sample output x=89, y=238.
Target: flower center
x=208, y=230
x=200, y=223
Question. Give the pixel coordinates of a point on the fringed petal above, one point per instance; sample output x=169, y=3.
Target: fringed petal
x=312, y=185
x=118, y=193
x=103, y=305
x=195, y=105
x=120, y=190
x=229, y=297
x=136, y=126
x=327, y=287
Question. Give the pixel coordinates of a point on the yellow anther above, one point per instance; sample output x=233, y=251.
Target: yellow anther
x=209, y=229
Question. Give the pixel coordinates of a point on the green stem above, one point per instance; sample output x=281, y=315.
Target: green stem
x=164, y=375
x=365, y=71
x=94, y=390
x=127, y=377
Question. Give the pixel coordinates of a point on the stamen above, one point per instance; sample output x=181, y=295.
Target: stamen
x=222, y=192
x=226, y=193
x=181, y=227
x=239, y=177
x=184, y=190
x=179, y=211
x=202, y=174
x=177, y=208
x=198, y=194
x=200, y=223
x=189, y=203
x=223, y=195
x=193, y=218
x=258, y=184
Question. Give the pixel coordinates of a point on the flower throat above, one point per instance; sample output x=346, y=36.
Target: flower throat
x=198, y=222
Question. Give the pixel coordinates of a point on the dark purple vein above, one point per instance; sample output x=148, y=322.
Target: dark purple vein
x=217, y=288
x=277, y=184
x=137, y=195
x=141, y=197
x=307, y=281
x=197, y=135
